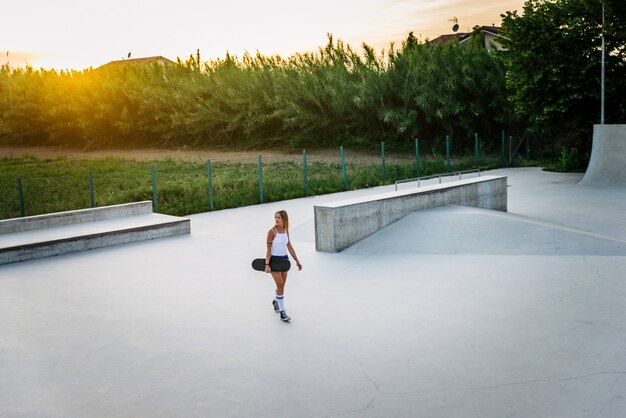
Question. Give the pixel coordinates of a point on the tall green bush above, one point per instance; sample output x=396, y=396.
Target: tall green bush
x=318, y=99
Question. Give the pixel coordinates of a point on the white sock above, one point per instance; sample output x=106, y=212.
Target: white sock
x=281, y=302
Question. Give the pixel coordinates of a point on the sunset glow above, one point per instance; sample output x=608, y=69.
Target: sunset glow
x=78, y=34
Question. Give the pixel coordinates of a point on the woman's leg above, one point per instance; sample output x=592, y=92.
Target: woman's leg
x=284, y=281
x=279, y=294
x=280, y=282
x=279, y=279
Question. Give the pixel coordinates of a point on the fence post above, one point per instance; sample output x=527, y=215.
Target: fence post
x=417, y=157
x=503, y=147
x=306, y=179
x=382, y=149
x=476, y=148
x=260, y=179
x=210, y=184
x=448, y=152
x=343, y=165
x=527, y=145
x=91, y=199
x=155, y=200
x=20, y=191
x=510, y=149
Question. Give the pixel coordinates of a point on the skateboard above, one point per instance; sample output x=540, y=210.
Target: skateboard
x=275, y=264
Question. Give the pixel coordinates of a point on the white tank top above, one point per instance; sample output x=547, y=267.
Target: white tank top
x=279, y=244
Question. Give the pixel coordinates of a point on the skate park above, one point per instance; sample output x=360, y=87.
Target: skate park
x=452, y=311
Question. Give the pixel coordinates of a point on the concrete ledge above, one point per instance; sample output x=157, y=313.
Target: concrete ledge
x=340, y=224
x=90, y=241
x=73, y=231
x=71, y=217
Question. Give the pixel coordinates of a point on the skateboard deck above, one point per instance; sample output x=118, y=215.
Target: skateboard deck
x=275, y=264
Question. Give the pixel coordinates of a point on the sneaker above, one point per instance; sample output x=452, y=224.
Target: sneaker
x=275, y=305
x=284, y=317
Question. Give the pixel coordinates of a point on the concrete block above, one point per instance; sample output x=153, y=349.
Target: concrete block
x=340, y=224
x=79, y=230
x=90, y=241
x=72, y=217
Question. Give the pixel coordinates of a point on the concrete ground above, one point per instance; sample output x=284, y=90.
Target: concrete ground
x=450, y=312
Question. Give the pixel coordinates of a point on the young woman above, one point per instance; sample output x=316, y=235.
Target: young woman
x=278, y=245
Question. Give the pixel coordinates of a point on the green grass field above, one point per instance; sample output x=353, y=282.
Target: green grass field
x=60, y=184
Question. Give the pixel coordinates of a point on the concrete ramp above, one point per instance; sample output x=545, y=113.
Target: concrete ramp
x=607, y=165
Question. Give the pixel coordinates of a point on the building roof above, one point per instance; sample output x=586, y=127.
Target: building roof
x=137, y=61
x=492, y=30
x=442, y=39
x=464, y=36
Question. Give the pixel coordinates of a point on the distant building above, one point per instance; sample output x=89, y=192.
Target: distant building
x=443, y=39
x=490, y=33
x=163, y=62
x=141, y=61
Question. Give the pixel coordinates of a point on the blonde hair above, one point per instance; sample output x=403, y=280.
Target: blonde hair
x=284, y=217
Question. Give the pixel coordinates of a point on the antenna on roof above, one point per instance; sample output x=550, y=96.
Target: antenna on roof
x=456, y=23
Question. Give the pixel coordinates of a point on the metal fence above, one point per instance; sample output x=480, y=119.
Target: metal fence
x=82, y=191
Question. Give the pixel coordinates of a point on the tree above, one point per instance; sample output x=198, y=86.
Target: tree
x=553, y=61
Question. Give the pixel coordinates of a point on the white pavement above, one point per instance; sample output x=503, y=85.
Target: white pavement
x=449, y=312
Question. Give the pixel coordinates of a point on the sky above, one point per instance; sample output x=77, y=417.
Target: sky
x=80, y=34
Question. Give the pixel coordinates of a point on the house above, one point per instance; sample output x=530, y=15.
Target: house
x=490, y=33
x=163, y=62
x=140, y=61
x=442, y=39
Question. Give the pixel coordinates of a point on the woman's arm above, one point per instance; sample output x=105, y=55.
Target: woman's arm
x=268, y=253
x=292, y=251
